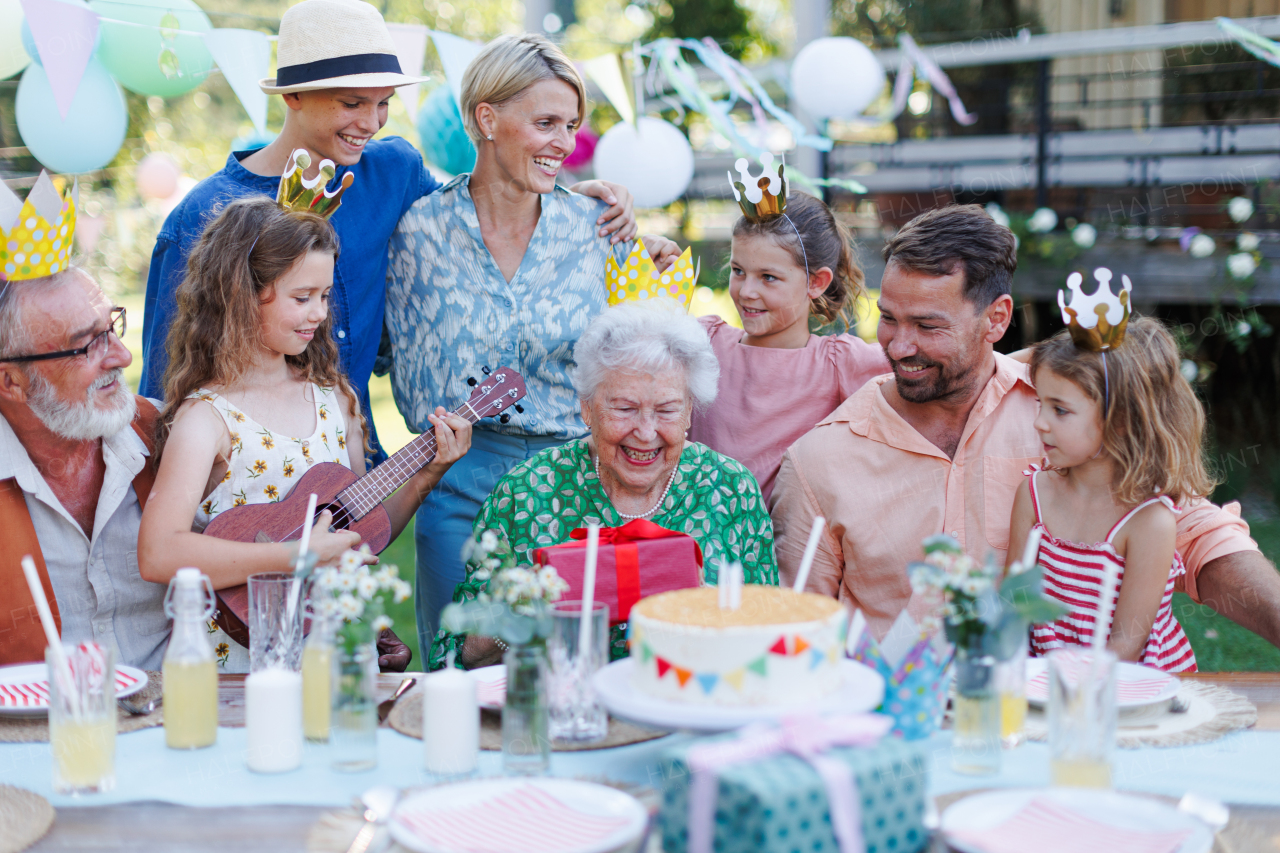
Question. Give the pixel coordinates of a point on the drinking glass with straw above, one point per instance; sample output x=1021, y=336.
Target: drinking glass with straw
x=577, y=648
x=1082, y=703
x=82, y=704
x=1011, y=674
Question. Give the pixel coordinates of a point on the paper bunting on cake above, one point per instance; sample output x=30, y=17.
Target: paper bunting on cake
x=310, y=196
x=1097, y=321
x=639, y=279
x=36, y=234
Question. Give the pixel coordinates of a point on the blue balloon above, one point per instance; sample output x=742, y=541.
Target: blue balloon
x=443, y=138
x=29, y=43
x=93, y=130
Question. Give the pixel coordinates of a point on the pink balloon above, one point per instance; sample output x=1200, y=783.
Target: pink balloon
x=582, y=155
x=157, y=176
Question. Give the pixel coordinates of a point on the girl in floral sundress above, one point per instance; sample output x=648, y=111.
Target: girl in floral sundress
x=255, y=397
x=1110, y=495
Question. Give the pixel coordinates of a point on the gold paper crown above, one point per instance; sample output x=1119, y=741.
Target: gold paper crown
x=1097, y=321
x=763, y=198
x=639, y=278
x=297, y=193
x=36, y=234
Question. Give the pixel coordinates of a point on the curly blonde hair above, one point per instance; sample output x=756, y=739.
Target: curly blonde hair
x=232, y=270
x=1154, y=425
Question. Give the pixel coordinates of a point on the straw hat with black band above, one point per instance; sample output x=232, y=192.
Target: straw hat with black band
x=334, y=44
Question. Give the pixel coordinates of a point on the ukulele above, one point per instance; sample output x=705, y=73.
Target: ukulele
x=355, y=501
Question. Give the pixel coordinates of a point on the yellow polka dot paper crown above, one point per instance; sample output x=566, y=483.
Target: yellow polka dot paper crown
x=1097, y=321
x=639, y=279
x=36, y=234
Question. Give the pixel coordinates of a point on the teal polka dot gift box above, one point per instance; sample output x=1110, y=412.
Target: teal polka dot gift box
x=793, y=789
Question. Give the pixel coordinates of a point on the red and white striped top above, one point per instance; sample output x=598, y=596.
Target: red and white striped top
x=1073, y=574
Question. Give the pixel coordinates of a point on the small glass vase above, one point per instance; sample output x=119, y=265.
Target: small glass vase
x=526, y=739
x=975, y=743
x=353, y=732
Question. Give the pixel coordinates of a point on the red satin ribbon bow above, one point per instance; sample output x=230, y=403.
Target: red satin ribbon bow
x=627, y=555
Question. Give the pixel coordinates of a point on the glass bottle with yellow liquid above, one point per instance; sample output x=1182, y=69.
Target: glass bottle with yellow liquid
x=190, y=669
x=317, y=679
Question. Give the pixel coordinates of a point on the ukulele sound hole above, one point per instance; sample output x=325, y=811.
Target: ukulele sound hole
x=341, y=516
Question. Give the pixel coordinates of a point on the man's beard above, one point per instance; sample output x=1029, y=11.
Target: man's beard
x=940, y=385
x=82, y=421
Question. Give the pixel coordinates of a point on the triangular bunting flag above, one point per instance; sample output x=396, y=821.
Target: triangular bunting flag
x=683, y=675
x=833, y=655
x=816, y=658
x=65, y=35
x=610, y=74
x=708, y=681
x=455, y=55
x=735, y=678
x=663, y=666
x=779, y=648
x=759, y=666
x=801, y=645
x=646, y=652
x=244, y=58
x=411, y=49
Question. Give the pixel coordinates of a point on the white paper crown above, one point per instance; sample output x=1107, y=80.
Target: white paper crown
x=1097, y=321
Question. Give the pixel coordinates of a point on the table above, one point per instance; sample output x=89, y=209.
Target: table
x=134, y=817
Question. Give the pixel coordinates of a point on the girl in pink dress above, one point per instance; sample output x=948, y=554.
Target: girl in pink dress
x=777, y=380
x=1123, y=451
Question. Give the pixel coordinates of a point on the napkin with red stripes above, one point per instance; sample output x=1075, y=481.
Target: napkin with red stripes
x=525, y=818
x=35, y=694
x=1045, y=826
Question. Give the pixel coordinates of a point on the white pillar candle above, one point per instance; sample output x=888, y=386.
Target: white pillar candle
x=450, y=722
x=273, y=720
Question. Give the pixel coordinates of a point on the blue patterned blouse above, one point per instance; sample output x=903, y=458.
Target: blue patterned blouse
x=450, y=311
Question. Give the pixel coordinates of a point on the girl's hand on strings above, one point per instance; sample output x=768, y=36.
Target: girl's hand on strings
x=329, y=546
x=453, y=439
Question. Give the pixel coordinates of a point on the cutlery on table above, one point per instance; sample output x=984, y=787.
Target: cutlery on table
x=385, y=706
x=140, y=709
x=379, y=801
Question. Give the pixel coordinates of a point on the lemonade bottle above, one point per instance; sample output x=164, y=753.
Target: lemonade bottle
x=190, y=670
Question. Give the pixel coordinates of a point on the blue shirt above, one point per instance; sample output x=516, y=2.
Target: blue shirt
x=450, y=311
x=389, y=178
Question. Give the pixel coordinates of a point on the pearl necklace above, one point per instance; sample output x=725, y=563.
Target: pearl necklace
x=652, y=509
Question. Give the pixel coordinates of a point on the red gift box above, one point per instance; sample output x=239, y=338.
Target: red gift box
x=637, y=559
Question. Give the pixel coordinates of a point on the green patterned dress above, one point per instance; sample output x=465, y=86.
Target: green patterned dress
x=713, y=499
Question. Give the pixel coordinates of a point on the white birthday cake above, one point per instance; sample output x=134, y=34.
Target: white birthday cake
x=779, y=647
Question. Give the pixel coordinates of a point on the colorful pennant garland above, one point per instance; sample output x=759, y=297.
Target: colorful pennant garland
x=786, y=646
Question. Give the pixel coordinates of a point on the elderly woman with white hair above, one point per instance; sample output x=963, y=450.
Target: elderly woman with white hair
x=500, y=267
x=641, y=372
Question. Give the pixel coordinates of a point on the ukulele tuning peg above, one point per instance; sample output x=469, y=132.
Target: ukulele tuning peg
x=471, y=380
x=504, y=418
x=485, y=369
x=519, y=408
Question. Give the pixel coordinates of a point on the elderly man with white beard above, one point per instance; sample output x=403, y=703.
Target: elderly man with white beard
x=74, y=472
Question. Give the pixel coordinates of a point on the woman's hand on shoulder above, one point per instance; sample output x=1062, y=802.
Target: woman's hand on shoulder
x=620, y=219
x=664, y=252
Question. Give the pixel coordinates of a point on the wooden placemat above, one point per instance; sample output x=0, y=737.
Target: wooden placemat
x=1211, y=712
x=24, y=818
x=36, y=729
x=406, y=718
x=1239, y=835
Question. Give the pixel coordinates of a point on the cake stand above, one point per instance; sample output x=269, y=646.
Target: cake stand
x=861, y=689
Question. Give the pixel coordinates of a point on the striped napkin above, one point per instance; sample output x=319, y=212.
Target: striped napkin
x=492, y=694
x=1127, y=690
x=524, y=818
x=35, y=694
x=1045, y=826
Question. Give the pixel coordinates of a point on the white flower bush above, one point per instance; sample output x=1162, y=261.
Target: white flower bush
x=997, y=214
x=345, y=590
x=1202, y=246
x=1241, y=265
x=1247, y=242
x=1084, y=235
x=1042, y=221
x=1239, y=209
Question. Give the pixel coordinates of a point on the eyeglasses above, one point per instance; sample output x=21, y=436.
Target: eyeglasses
x=94, y=349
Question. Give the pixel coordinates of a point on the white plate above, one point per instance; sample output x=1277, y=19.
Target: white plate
x=982, y=811
x=492, y=687
x=610, y=817
x=862, y=689
x=1136, y=685
x=129, y=680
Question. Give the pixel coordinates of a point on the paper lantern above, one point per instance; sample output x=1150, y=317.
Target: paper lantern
x=94, y=128
x=653, y=160
x=836, y=78
x=584, y=150
x=154, y=47
x=157, y=176
x=13, y=58
x=444, y=140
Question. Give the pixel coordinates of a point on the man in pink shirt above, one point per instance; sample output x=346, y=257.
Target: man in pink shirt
x=941, y=443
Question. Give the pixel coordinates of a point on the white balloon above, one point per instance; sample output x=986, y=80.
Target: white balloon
x=836, y=78
x=13, y=58
x=653, y=160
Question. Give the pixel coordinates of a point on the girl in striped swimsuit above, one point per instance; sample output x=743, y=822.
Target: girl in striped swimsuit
x=1122, y=451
